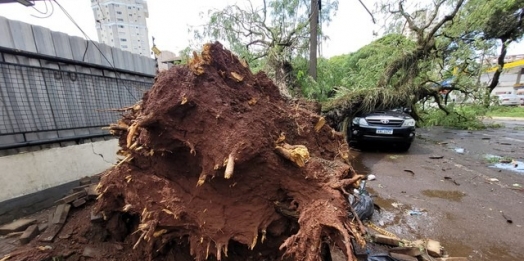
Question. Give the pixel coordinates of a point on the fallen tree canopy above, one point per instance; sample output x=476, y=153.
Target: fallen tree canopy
x=368, y=100
x=217, y=165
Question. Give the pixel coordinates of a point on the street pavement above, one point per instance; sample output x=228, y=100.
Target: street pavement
x=452, y=193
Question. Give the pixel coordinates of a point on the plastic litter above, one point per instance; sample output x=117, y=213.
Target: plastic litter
x=371, y=177
x=362, y=203
x=459, y=150
x=381, y=257
x=414, y=213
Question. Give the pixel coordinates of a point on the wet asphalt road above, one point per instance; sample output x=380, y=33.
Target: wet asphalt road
x=458, y=199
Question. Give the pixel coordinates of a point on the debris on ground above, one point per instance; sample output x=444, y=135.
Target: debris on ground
x=459, y=150
x=508, y=220
x=436, y=157
x=409, y=171
x=16, y=226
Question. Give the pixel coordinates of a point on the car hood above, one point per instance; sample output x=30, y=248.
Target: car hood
x=387, y=114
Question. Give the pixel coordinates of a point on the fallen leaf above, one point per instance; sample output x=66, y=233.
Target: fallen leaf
x=409, y=171
x=507, y=218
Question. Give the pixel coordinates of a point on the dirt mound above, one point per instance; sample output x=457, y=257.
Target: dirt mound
x=218, y=165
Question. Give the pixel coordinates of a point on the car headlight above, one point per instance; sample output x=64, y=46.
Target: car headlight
x=360, y=121
x=409, y=123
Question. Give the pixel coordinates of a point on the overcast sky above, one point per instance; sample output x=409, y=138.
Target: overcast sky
x=168, y=22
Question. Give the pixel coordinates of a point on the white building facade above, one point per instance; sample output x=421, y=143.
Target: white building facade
x=122, y=24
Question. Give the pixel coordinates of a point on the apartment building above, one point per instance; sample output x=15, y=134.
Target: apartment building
x=122, y=24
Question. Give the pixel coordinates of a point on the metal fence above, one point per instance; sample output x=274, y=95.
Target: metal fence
x=44, y=104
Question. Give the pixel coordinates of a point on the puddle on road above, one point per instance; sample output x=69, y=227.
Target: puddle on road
x=451, y=195
x=509, y=166
x=358, y=164
x=515, y=165
x=395, y=218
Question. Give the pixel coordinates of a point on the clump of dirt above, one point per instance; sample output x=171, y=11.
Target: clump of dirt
x=218, y=165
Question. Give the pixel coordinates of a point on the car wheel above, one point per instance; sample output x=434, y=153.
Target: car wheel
x=404, y=147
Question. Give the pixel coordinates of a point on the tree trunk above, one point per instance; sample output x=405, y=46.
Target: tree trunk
x=500, y=63
x=313, y=39
x=495, y=81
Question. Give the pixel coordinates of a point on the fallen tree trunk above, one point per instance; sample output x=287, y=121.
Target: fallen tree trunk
x=212, y=158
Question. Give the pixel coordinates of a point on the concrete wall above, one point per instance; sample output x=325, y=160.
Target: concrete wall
x=31, y=172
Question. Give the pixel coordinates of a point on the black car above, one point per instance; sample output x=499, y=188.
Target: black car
x=389, y=126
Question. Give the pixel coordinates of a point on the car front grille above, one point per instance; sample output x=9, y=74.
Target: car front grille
x=383, y=122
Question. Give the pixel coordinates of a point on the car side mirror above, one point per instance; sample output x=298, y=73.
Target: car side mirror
x=407, y=110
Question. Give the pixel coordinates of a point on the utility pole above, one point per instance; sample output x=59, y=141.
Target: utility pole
x=313, y=26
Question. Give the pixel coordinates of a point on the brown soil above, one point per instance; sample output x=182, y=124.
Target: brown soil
x=216, y=167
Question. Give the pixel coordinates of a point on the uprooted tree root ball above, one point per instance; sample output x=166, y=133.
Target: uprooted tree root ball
x=218, y=165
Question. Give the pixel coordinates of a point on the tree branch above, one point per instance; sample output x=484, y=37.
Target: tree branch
x=500, y=63
x=445, y=19
x=369, y=12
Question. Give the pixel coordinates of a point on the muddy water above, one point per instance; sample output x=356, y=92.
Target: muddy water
x=452, y=195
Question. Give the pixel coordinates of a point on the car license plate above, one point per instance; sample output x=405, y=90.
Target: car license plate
x=385, y=131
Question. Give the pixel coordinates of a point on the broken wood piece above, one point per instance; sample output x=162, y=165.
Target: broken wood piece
x=96, y=218
x=16, y=226
x=30, y=233
x=431, y=246
x=60, y=215
x=79, y=202
x=56, y=223
x=298, y=154
x=91, y=191
x=14, y=234
x=402, y=257
x=85, y=181
x=390, y=241
x=79, y=188
x=230, y=167
x=42, y=227
x=410, y=251
x=452, y=259
x=72, y=197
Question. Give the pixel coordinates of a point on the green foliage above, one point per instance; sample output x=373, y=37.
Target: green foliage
x=460, y=117
x=267, y=36
x=492, y=19
x=351, y=72
x=505, y=111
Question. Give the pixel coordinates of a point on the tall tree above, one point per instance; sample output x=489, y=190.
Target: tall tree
x=449, y=37
x=275, y=31
x=313, y=36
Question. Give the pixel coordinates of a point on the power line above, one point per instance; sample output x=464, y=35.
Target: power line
x=94, y=44
x=46, y=15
